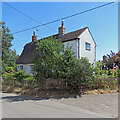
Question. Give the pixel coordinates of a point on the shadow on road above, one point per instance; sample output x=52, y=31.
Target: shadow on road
x=17, y=98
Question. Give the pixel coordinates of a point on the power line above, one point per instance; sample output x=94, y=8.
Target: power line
x=88, y=10
x=27, y=15
x=46, y=15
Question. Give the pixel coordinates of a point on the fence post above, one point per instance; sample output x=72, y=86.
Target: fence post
x=14, y=81
x=58, y=83
x=22, y=82
x=33, y=84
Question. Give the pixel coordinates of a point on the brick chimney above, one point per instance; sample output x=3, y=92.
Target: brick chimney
x=61, y=30
x=34, y=37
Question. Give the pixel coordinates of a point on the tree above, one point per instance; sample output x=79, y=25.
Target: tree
x=8, y=56
x=81, y=76
x=112, y=60
x=56, y=63
x=53, y=62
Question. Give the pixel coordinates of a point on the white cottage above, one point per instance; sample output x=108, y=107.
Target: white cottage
x=81, y=40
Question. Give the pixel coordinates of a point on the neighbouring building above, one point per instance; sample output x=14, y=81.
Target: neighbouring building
x=81, y=40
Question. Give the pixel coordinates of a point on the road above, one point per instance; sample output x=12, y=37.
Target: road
x=14, y=106
x=105, y=104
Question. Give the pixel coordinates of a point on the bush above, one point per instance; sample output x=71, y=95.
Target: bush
x=19, y=78
x=118, y=72
x=99, y=72
x=81, y=76
x=20, y=75
x=31, y=81
x=8, y=78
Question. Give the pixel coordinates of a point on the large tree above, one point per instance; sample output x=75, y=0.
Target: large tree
x=54, y=61
x=8, y=55
x=59, y=62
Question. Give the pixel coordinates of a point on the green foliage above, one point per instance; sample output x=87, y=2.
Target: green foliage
x=56, y=63
x=53, y=61
x=99, y=72
x=64, y=63
x=31, y=81
x=20, y=78
x=8, y=56
x=8, y=78
x=81, y=76
x=20, y=75
x=118, y=73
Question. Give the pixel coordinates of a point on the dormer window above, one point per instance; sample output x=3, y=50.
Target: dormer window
x=87, y=46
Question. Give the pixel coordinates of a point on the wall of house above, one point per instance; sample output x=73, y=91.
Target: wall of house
x=74, y=44
x=90, y=54
x=26, y=67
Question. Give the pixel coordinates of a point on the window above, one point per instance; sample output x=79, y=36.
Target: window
x=87, y=46
x=21, y=67
x=31, y=68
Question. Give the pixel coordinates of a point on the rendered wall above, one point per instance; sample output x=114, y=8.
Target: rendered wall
x=91, y=55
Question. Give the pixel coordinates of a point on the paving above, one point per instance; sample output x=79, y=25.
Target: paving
x=14, y=106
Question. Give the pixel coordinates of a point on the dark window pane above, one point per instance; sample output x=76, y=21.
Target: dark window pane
x=87, y=46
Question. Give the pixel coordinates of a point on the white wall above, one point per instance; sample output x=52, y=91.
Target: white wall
x=91, y=55
x=26, y=67
x=74, y=45
x=83, y=38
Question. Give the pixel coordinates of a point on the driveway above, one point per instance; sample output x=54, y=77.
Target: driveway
x=14, y=106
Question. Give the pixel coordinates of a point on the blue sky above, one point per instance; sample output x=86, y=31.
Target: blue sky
x=103, y=22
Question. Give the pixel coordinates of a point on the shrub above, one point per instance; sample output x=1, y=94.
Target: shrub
x=31, y=81
x=118, y=72
x=10, y=69
x=99, y=72
x=81, y=76
x=8, y=78
x=20, y=75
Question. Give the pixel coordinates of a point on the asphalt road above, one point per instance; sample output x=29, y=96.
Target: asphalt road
x=105, y=104
x=14, y=106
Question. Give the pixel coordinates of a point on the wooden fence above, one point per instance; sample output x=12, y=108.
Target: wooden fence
x=58, y=84
x=63, y=84
x=96, y=83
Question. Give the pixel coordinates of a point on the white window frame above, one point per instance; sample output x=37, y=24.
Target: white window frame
x=87, y=46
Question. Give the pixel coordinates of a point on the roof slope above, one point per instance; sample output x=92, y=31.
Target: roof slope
x=29, y=52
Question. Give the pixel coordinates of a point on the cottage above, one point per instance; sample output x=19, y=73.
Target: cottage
x=81, y=40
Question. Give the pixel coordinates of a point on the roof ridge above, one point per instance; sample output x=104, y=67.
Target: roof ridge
x=58, y=34
x=76, y=30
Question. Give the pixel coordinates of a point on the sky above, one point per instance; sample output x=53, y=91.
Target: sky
x=102, y=22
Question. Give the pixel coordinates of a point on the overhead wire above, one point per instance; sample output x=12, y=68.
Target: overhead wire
x=27, y=16
x=88, y=10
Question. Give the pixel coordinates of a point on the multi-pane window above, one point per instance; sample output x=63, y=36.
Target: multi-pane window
x=21, y=67
x=87, y=46
x=31, y=68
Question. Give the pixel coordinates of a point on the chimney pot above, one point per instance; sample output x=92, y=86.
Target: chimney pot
x=34, y=37
x=61, y=29
x=62, y=23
